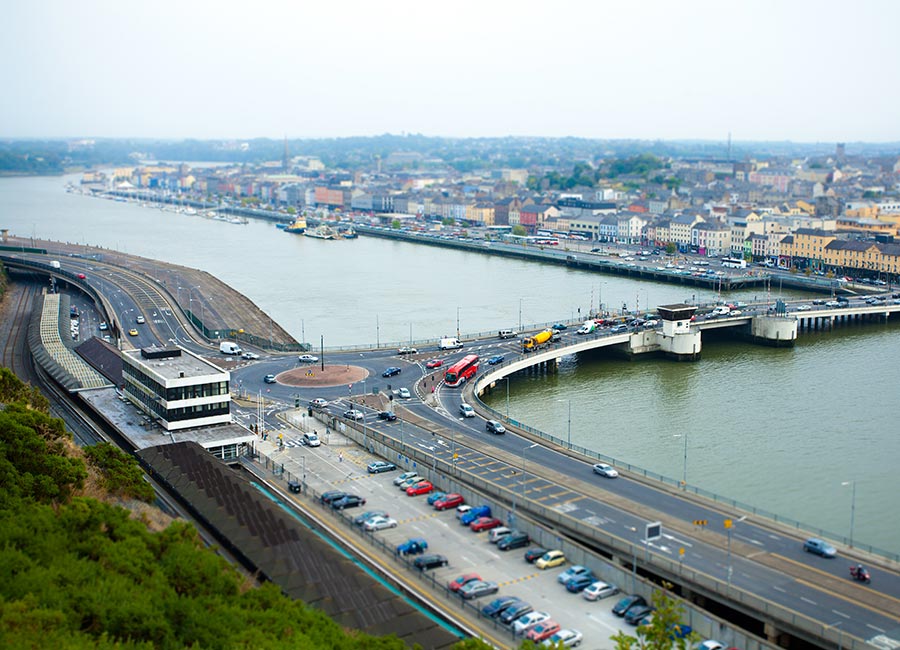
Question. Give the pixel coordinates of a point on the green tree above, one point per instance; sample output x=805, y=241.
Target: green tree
x=664, y=630
x=671, y=248
x=291, y=210
x=395, y=224
x=448, y=221
x=122, y=476
x=519, y=230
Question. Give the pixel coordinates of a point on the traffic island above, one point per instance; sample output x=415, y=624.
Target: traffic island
x=317, y=377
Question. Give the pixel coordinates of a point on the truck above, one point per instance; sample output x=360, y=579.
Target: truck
x=536, y=341
x=227, y=347
x=450, y=344
x=588, y=327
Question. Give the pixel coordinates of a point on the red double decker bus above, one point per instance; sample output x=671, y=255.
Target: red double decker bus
x=462, y=370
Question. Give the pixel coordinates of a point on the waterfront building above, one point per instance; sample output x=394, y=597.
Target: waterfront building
x=176, y=388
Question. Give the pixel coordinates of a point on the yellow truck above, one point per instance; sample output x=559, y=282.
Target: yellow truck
x=534, y=342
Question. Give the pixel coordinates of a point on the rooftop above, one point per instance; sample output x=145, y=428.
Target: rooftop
x=173, y=363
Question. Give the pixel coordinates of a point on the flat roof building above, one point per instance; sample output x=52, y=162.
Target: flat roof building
x=176, y=388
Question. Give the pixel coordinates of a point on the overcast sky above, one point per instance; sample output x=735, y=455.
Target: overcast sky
x=796, y=70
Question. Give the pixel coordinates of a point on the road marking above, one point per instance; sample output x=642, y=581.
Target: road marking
x=677, y=540
x=840, y=613
x=807, y=600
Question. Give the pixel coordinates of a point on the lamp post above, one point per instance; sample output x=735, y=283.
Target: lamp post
x=852, y=485
x=520, y=314
x=522, y=481
x=569, y=427
x=684, y=471
x=506, y=379
x=457, y=322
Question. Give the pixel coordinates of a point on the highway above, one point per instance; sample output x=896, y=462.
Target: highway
x=765, y=561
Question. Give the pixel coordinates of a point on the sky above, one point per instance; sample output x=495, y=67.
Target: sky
x=799, y=70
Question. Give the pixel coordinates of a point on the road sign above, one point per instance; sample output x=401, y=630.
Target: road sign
x=653, y=531
x=728, y=523
x=701, y=522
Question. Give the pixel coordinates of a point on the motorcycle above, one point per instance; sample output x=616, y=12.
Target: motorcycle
x=860, y=574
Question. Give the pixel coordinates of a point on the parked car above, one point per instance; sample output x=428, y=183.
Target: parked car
x=348, y=501
x=478, y=588
x=459, y=581
x=390, y=372
x=494, y=360
x=103, y=327
x=422, y=487
x=498, y=534
x=390, y=416
x=408, y=483
x=307, y=358
x=635, y=615
x=434, y=363
x=484, y=523
x=474, y=513
x=599, y=589
x=579, y=583
x=605, y=470
x=462, y=510
x=379, y=466
x=622, y=607
x=359, y=520
x=466, y=411
x=354, y=414
x=448, y=501
x=494, y=608
x=379, y=523
x=573, y=571
x=819, y=547
x=532, y=555
x=515, y=611
x=493, y=426
x=542, y=631
x=433, y=561
x=412, y=546
x=331, y=495
x=404, y=476
x=435, y=496
x=529, y=620
x=269, y=379
x=516, y=539
x=564, y=638
x=550, y=559
x=407, y=350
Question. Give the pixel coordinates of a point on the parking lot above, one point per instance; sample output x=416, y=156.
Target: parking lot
x=339, y=466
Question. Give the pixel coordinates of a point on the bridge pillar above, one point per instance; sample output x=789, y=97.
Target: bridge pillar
x=777, y=331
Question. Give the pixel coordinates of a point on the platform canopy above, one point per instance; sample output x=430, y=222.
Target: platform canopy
x=679, y=311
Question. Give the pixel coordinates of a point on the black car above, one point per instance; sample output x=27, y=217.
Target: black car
x=636, y=614
x=532, y=555
x=516, y=539
x=514, y=611
x=494, y=608
x=348, y=501
x=390, y=372
x=333, y=495
x=359, y=520
x=390, y=416
x=430, y=561
x=621, y=608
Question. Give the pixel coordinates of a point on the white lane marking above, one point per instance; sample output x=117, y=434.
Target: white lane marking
x=807, y=600
x=834, y=611
x=677, y=540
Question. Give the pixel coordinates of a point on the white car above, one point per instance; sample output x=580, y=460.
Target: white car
x=466, y=411
x=498, y=533
x=354, y=414
x=523, y=624
x=598, y=590
x=605, y=470
x=380, y=523
x=404, y=393
x=307, y=358
x=250, y=355
x=568, y=638
x=804, y=308
x=405, y=475
x=461, y=510
x=318, y=403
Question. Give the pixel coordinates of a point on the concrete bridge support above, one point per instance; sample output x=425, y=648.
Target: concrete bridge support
x=777, y=331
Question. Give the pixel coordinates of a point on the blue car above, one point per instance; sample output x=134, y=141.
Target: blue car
x=494, y=608
x=819, y=547
x=494, y=360
x=475, y=513
x=412, y=546
x=390, y=372
x=580, y=583
x=434, y=496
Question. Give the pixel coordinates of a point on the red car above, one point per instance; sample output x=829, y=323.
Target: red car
x=542, y=631
x=422, y=487
x=449, y=501
x=81, y=276
x=464, y=579
x=434, y=363
x=485, y=523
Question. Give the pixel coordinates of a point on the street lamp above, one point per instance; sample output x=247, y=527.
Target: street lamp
x=569, y=402
x=684, y=472
x=457, y=322
x=520, y=314
x=852, y=485
x=506, y=379
x=522, y=481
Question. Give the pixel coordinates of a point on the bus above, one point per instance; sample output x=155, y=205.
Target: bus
x=462, y=370
x=734, y=263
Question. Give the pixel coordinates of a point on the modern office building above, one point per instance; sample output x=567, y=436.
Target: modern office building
x=176, y=388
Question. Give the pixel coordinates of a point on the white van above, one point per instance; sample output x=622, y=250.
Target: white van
x=508, y=334
x=226, y=347
x=310, y=439
x=450, y=344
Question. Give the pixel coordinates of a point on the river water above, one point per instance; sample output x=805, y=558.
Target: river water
x=792, y=431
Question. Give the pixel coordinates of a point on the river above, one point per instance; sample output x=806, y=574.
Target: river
x=803, y=432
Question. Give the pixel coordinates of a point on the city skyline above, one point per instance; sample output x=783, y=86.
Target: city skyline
x=801, y=71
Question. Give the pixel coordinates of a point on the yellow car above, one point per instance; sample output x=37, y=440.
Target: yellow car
x=550, y=559
x=132, y=332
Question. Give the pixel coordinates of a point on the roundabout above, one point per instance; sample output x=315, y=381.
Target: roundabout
x=316, y=377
